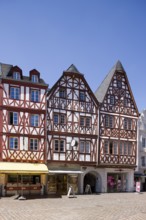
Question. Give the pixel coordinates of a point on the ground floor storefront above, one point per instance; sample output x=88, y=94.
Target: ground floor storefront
x=22, y=178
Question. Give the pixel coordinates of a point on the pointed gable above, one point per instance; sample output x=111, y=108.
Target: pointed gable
x=122, y=93
x=72, y=69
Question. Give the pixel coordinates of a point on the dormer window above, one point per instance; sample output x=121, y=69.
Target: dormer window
x=16, y=75
x=34, y=78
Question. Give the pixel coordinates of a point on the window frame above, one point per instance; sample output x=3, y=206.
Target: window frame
x=109, y=121
x=59, y=145
x=14, y=93
x=14, y=141
x=59, y=118
x=84, y=147
x=62, y=93
x=34, y=78
x=82, y=96
x=16, y=75
x=36, y=96
x=33, y=141
x=34, y=120
x=112, y=100
x=12, y=119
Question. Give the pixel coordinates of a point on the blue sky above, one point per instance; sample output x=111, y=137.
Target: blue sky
x=50, y=35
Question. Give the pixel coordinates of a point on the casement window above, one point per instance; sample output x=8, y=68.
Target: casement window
x=121, y=148
x=112, y=100
x=82, y=96
x=35, y=95
x=34, y=120
x=129, y=148
x=85, y=147
x=13, y=118
x=62, y=93
x=14, y=93
x=143, y=142
x=16, y=75
x=34, y=144
x=119, y=84
x=125, y=102
x=143, y=161
x=125, y=148
x=109, y=121
x=34, y=78
x=59, y=118
x=59, y=145
x=110, y=147
x=85, y=121
x=106, y=150
x=13, y=143
x=127, y=123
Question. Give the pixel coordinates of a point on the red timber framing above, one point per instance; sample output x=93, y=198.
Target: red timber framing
x=22, y=120
x=117, y=120
x=72, y=116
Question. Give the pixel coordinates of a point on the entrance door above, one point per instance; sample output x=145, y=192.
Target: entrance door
x=90, y=180
x=62, y=184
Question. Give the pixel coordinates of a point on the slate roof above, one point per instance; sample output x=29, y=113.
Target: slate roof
x=72, y=69
x=5, y=69
x=102, y=89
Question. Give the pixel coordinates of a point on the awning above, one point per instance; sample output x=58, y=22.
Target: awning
x=66, y=171
x=13, y=167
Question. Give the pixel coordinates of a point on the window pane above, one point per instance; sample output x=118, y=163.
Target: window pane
x=121, y=148
x=33, y=144
x=56, y=145
x=129, y=149
x=56, y=119
x=35, y=95
x=34, y=120
x=106, y=147
x=13, y=143
x=82, y=96
x=34, y=78
x=14, y=93
x=81, y=147
x=88, y=122
x=112, y=100
x=62, y=93
x=111, y=121
x=87, y=150
x=81, y=121
x=16, y=75
x=115, y=148
x=143, y=142
x=106, y=121
x=61, y=146
x=62, y=119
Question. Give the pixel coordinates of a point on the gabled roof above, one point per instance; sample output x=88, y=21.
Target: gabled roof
x=72, y=69
x=102, y=89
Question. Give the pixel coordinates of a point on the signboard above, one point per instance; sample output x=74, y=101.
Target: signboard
x=137, y=186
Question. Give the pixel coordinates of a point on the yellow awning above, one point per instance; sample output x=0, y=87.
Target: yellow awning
x=13, y=167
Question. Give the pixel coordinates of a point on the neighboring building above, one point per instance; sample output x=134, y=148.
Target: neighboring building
x=72, y=133
x=140, y=173
x=118, y=116
x=22, y=131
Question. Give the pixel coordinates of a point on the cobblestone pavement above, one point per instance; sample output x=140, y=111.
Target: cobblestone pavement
x=116, y=206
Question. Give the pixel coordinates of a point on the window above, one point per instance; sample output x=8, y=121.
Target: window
x=82, y=96
x=13, y=143
x=35, y=95
x=143, y=161
x=143, y=142
x=112, y=100
x=62, y=93
x=14, y=93
x=125, y=148
x=129, y=149
x=119, y=84
x=85, y=147
x=34, y=144
x=34, y=78
x=121, y=148
x=111, y=147
x=125, y=102
x=109, y=121
x=59, y=118
x=34, y=120
x=127, y=123
x=115, y=147
x=16, y=75
x=59, y=145
x=85, y=121
x=106, y=147
x=13, y=118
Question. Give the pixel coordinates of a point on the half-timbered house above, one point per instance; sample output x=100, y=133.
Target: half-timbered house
x=117, y=144
x=72, y=126
x=22, y=130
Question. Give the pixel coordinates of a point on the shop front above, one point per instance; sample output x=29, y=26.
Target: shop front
x=116, y=182
x=59, y=181
x=22, y=178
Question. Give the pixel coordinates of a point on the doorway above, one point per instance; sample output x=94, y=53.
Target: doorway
x=90, y=179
